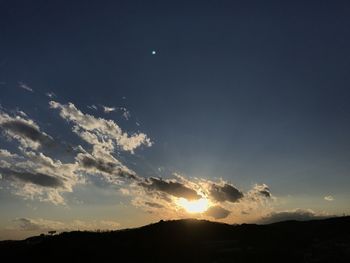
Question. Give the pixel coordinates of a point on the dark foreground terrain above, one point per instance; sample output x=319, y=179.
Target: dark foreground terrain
x=193, y=241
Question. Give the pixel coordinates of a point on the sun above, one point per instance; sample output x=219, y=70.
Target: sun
x=196, y=206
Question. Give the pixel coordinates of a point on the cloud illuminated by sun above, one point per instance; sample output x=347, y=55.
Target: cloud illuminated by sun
x=196, y=206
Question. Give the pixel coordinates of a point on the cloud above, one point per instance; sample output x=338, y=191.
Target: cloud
x=35, y=175
x=225, y=192
x=22, y=113
x=125, y=113
x=38, y=174
x=260, y=190
x=223, y=200
x=51, y=95
x=25, y=131
x=170, y=187
x=329, y=198
x=27, y=224
x=108, y=109
x=107, y=167
x=99, y=130
x=44, y=225
x=154, y=205
x=298, y=214
x=6, y=154
x=92, y=107
x=34, y=178
x=25, y=86
x=90, y=162
x=217, y=212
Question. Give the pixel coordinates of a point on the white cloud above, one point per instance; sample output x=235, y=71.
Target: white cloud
x=329, y=198
x=22, y=113
x=92, y=107
x=33, y=175
x=108, y=109
x=98, y=130
x=25, y=86
x=51, y=95
x=38, y=177
x=6, y=154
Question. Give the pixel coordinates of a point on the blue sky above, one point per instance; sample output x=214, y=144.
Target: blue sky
x=242, y=94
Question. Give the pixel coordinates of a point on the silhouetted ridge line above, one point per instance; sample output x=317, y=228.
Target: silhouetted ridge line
x=190, y=240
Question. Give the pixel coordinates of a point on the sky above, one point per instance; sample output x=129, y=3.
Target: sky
x=117, y=114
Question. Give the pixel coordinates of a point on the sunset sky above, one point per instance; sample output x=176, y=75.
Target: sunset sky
x=116, y=114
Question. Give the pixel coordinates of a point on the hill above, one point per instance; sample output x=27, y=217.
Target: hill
x=191, y=240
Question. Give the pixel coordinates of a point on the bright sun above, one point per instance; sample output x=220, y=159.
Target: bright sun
x=195, y=206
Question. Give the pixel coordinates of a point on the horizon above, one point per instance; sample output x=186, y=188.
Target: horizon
x=116, y=115
x=52, y=232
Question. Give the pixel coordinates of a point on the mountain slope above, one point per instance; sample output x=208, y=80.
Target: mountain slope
x=195, y=241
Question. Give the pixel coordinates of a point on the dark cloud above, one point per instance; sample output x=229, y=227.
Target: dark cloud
x=299, y=215
x=170, y=187
x=32, y=177
x=91, y=163
x=25, y=130
x=265, y=193
x=264, y=190
x=154, y=205
x=217, y=212
x=225, y=192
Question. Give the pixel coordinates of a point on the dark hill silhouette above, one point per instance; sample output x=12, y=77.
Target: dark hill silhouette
x=191, y=240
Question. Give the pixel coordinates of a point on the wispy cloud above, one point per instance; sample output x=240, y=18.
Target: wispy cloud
x=107, y=109
x=51, y=95
x=92, y=107
x=297, y=214
x=329, y=198
x=25, y=86
x=125, y=113
x=44, y=225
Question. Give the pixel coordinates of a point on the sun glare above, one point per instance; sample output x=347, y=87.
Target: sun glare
x=195, y=206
